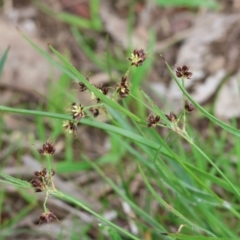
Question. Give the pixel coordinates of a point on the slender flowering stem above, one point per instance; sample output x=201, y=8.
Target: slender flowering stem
x=45, y=203
x=49, y=165
x=184, y=111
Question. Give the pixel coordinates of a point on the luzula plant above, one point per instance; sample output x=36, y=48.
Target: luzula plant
x=104, y=97
x=43, y=181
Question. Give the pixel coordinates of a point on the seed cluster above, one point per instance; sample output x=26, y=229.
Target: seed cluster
x=77, y=111
x=188, y=106
x=47, y=216
x=138, y=57
x=123, y=87
x=42, y=180
x=70, y=126
x=172, y=117
x=153, y=121
x=183, y=72
x=47, y=149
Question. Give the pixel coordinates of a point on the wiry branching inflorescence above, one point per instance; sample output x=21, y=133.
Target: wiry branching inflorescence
x=43, y=181
x=122, y=90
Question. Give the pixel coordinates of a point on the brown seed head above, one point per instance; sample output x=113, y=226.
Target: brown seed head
x=138, y=57
x=172, y=117
x=41, y=174
x=153, y=121
x=94, y=111
x=77, y=111
x=47, y=149
x=82, y=87
x=70, y=126
x=47, y=217
x=38, y=185
x=103, y=90
x=183, y=72
x=188, y=106
x=123, y=88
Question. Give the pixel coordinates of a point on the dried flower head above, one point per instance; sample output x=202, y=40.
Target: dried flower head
x=103, y=90
x=183, y=72
x=47, y=216
x=123, y=88
x=77, y=111
x=47, y=149
x=38, y=184
x=70, y=126
x=172, y=117
x=53, y=172
x=43, y=180
x=153, y=121
x=82, y=87
x=94, y=111
x=188, y=106
x=138, y=57
x=41, y=173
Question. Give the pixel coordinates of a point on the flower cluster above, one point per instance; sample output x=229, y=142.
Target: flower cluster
x=103, y=90
x=47, y=216
x=188, y=106
x=77, y=111
x=82, y=87
x=153, y=121
x=138, y=57
x=94, y=111
x=70, y=126
x=172, y=117
x=183, y=72
x=42, y=180
x=123, y=88
x=47, y=149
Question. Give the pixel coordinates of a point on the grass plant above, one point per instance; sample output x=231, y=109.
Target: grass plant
x=192, y=179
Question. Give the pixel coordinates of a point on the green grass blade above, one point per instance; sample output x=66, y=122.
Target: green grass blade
x=138, y=210
x=126, y=133
x=3, y=60
x=14, y=181
x=212, y=4
x=78, y=203
x=68, y=18
x=187, y=237
x=87, y=49
x=163, y=203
